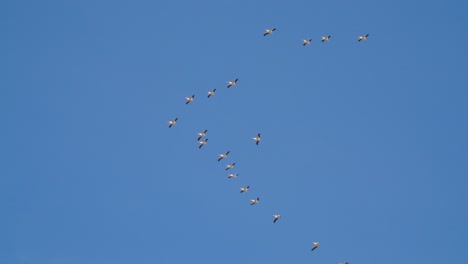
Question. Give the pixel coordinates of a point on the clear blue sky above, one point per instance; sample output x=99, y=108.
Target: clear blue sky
x=364, y=145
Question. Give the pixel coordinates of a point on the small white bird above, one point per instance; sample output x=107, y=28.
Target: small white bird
x=202, y=143
x=257, y=139
x=361, y=38
x=254, y=201
x=327, y=38
x=173, y=122
x=268, y=31
x=202, y=134
x=211, y=93
x=232, y=83
x=244, y=189
x=223, y=156
x=346, y=262
x=233, y=175
x=230, y=166
x=276, y=218
x=306, y=42
x=316, y=245
x=189, y=99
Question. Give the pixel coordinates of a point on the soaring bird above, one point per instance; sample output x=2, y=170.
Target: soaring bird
x=268, y=31
x=223, y=156
x=361, y=38
x=189, y=99
x=173, y=122
x=230, y=166
x=211, y=93
x=233, y=175
x=306, y=42
x=326, y=38
x=202, y=134
x=316, y=245
x=257, y=139
x=244, y=189
x=232, y=83
x=276, y=218
x=202, y=143
x=254, y=201
x=346, y=262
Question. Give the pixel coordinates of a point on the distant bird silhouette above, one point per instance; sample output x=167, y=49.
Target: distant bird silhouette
x=268, y=32
x=257, y=139
x=233, y=175
x=202, y=134
x=361, y=38
x=306, y=42
x=211, y=93
x=202, y=143
x=173, y=122
x=189, y=99
x=254, y=201
x=327, y=38
x=276, y=218
x=230, y=166
x=316, y=245
x=232, y=83
x=244, y=189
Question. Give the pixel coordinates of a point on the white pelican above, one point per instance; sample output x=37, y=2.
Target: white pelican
x=173, y=122
x=254, y=201
x=230, y=166
x=326, y=38
x=189, y=99
x=211, y=93
x=223, y=156
x=257, y=139
x=202, y=143
x=244, y=189
x=276, y=218
x=361, y=38
x=306, y=42
x=233, y=175
x=316, y=245
x=202, y=134
x=268, y=31
x=232, y=83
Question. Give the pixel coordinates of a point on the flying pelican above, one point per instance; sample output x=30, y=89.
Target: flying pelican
x=232, y=83
x=316, y=245
x=244, y=189
x=173, y=122
x=326, y=38
x=257, y=139
x=268, y=31
x=254, y=201
x=189, y=99
x=202, y=143
x=360, y=38
x=211, y=93
x=202, y=134
x=306, y=42
x=276, y=218
x=223, y=156
x=230, y=166
x=233, y=175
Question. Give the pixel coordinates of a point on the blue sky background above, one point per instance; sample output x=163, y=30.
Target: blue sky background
x=364, y=145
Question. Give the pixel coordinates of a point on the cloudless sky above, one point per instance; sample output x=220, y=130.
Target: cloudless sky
x=364, y=144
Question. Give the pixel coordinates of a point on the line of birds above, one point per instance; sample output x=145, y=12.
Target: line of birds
x=257, y=138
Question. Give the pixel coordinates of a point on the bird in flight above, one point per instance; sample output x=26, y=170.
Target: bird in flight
x=230, y=166
x=202, y=134
x=268, y=31
x=223, y=156
x=306, y=42
x=244, y=189
x=361, y=38
x=211, y=93
x=257, y=139
x=316, y=245
x=327, y=38
x=173, y=122
x=276, y=218
x=254, y=201
x=202, y=143
x=346, y=262
x=233, y=175
x=232, y=83
x=189, y=99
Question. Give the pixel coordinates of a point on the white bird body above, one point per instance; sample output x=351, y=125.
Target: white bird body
x=268, y=31
x=189, y=99
x=232, y=83
x=244, y=189
x=202, y=143
x=361, y=38
x=254, y=201
x=230, y=166
x=257, y=139
x=202, y=134
x=276, y=218
x=233, y=175
x=326, y=38
x=173, y=122
x=211, y=93
x=306, y=42
x=223, y=156
x=316, y=245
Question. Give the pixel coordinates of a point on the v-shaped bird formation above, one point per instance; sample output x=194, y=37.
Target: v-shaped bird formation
x=257, y=138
